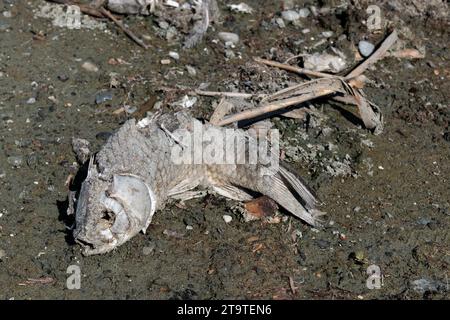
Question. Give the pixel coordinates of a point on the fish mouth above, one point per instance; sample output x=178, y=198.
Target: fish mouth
x=124, y=207
x=111, y=230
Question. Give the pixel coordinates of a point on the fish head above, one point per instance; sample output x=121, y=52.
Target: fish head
x=111, y=210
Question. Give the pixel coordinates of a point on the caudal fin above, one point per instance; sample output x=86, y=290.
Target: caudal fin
x=291, y=193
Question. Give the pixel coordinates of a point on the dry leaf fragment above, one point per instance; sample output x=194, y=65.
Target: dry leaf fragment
x=261, y=207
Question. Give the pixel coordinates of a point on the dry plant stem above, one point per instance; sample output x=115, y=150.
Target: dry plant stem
x=377, y=55
x=294, y=57
x=124, y=29
x=296, y=113
x=303, y=88
x=220, y=111
x=223, y=94
x=318, y=88
x=316, y=92
x=347, y=99
x=280, y=93
x=293, y=69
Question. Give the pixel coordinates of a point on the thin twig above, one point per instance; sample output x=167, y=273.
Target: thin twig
x=292, y=286
x=294, y=57
x=375, y=56
x=124, y=29
x=297, y=89
x=293, y=69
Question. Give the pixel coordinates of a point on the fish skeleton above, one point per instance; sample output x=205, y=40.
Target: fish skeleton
x=135, y=173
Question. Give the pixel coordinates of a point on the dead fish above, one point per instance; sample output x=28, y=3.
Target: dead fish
x=137, y=171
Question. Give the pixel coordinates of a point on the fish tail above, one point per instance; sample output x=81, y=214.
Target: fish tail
x=289, y=191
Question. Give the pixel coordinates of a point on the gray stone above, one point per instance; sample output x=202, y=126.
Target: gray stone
x=4, y=25
x=365, y=48
x=290, y=15
x=103, y=96
x=228, y=37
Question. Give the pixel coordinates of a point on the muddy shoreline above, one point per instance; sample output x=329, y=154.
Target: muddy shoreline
x=391, y=209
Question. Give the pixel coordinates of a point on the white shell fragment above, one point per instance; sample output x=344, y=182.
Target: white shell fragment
x=241, y=8
x=172, y=3
x=186, y=102
x=174, y=55
x=89, y=66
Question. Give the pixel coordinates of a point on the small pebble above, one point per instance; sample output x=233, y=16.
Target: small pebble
x=2, y=254
x=303, y=13
x=280, y=22
x=32, y=100
x=290, y=15
x=191, y=70
x=163, y=25
x=242, y=8
x=7, y=14
x=165, y=61
x=4, y=25
x=365, y=48
x=63, y=77
x=103, y=96
x=228, y=37
x=174, y=55
x=230, y=54
x=424, y=221
x=130, y=109
x=227, y=218
x=172, y=3
x=89, y=66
